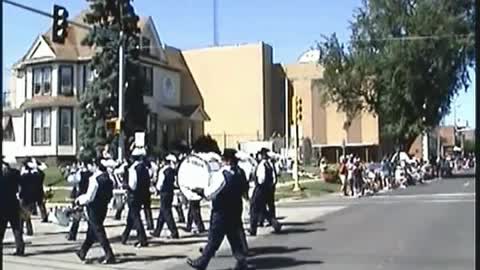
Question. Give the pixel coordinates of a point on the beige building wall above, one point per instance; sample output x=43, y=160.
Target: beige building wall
x=235, y=83
x=322, y=122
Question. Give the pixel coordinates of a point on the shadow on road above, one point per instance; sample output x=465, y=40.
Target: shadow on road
x=53, y=251
x=148, y=258
x=302, y=223
x=300, y=230
x=155, y=243
x=279, y=262
x=256, y=251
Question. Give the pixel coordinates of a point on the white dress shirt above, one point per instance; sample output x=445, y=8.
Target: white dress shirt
x=132, y=176
x=161, y=176
x=261, y=172
x=89, y=196
x=217, y=183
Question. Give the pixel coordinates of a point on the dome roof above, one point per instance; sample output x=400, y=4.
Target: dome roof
x=310, y=56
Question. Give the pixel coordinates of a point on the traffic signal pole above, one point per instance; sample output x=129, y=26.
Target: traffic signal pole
x=297, y=117
x=121, y=84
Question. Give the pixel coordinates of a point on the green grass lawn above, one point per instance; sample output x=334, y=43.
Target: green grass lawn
x=53, y=177
x=310, y=189
x=60, y=196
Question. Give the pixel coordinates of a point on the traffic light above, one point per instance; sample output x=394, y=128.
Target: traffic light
x=113, y=125
x=294, y=110
x=298, y=108
x=60, y=24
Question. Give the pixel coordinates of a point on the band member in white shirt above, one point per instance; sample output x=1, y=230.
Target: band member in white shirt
x=96, y=200
x=266, y=179
x=165, y=187
x=225, y=191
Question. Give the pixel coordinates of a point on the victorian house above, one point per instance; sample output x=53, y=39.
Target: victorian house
x=42, y=117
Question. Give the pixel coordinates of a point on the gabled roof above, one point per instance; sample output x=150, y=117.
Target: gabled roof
x=73, y=49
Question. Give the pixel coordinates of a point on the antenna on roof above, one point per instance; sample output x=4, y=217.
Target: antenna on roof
x=215, y=23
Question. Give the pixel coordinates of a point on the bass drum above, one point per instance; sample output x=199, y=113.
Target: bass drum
x=195, y=171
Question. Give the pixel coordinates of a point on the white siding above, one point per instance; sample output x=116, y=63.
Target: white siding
x=41, y=50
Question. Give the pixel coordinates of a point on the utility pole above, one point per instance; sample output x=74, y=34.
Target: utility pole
x=215, y=23
x=287, y=120
x=297, y=109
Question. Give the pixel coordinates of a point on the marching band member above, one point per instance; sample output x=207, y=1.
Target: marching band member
x=120, y=174
x=265, y=175
x=81, y=179
x=226, y=191
x=147, y=207
x=96, y=199
x=9, y=184
x=165, y=187
x=31, y=192
x=138, y=190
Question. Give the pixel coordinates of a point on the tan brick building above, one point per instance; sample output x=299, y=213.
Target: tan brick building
x=323, y=123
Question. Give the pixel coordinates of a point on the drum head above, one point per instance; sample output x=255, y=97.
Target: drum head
x=195, y=172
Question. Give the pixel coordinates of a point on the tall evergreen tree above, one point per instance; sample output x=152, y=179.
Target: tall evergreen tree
x=408, y=82
x=100, y=100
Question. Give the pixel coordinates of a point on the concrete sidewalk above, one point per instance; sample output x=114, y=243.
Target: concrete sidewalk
x=48, y=249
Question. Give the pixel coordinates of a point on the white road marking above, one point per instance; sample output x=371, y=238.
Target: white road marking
x=466, y=184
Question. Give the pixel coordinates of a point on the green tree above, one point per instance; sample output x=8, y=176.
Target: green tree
x=100, y=100
x=409, y=82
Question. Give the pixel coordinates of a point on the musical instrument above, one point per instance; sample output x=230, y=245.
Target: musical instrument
x=63, y=216
x=195, y=171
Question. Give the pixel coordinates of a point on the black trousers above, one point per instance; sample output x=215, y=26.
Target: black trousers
x=26, y=220
x=147, y=210
x=220, y=226
x=12, y=218
x=166, y=215
x=134, y=221
x=257, y=210
x=180, y=214
x=195, y=215
x=96, y=231
x=118, y=213
x=270, y=205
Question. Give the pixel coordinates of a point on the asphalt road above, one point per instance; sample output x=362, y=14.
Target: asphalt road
x=429, y=226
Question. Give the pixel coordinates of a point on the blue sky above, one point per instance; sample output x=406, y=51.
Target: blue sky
x=291, y=27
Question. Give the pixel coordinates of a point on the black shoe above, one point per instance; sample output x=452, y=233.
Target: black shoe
x=29, y=233
x=154, y=234
x=196, y=264
x=110, y=260
x=20, y=253
x=241, y=266
x=140, y=245
x=173, y=236
x=71, y=238
x=80, y=255
x=277, y=228
x=124, y=241
x=45, y=221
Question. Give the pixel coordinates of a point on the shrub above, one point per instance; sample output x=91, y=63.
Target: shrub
x=307, y=151
x=331, y=174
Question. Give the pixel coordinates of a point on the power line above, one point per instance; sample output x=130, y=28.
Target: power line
x=43, y=13
x=413, y=38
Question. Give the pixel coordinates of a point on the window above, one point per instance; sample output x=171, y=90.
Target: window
x=145, y=46
x=42, y=81
x=65, y=123
x=152, y=128
x=41, y=127
x=8, y=134
x=88, y=76
x=148, y=80
x=65, y=81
